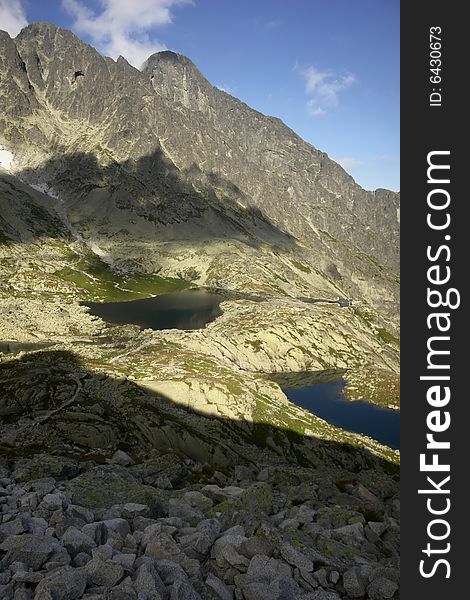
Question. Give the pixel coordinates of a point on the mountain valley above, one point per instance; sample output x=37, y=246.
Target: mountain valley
x=118, y=185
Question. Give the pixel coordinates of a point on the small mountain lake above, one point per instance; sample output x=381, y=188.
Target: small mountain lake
x=187, y=309
x=327, y=401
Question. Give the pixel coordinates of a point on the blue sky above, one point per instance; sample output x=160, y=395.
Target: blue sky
x=328, y=68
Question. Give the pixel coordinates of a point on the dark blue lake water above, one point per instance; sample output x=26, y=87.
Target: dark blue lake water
x=326, y=400
x=187, y=309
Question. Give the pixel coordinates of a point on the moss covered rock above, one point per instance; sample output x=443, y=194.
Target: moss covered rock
x=105, y=486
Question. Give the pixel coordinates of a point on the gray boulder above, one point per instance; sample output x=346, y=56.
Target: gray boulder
x=323, y=595
x=121, y=458
x=353, y=583
x=131, y=510
x=183, y=590
x=256, y=544
x=226, y=548
x=31, y=549
x=65, y=583
x=124, y=591
x=36, y=525
x=162, y=546
x=75, y=542
x=281, y=588
x=148, y=581
x=97, y=531
x=80, y=512
x=12, y=527
x=179, y=508
x=207, y=532
x=228, y=493
x=296, y=558
x=198, y=500
x=218, y=588
x=104, y=552
x=56, y=501
x=349, y=533
x=303, y=514
x=226, y=554
x=265, y=569
x=126, y=560
x=117, y=527
x=42, y=486
x=81, y=559
x=169, y=571
x=103, y=572
x=378, y=527
x=382, y=589
x=321, y=576
x=257, y=590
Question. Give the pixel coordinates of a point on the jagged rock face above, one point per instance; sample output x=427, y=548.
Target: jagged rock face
x=287, y=178
x=160, y=164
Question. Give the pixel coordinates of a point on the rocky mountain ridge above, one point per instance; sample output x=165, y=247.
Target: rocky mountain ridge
x=163, y=155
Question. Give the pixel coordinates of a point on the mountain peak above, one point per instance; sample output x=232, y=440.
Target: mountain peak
x=43, y=29
x=169, y=56
x=167, y=60
x=40, y=26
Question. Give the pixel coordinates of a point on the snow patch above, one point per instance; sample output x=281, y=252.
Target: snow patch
x=44, y=189
x=101, y=254
x=6, y=158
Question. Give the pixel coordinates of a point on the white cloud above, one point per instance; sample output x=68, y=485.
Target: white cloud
x=122, y=27
x=12, y=16
x=348, y=162
x=314, y=109
x=273, y=24
x=323, y=88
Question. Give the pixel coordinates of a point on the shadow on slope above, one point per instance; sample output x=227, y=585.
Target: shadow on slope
x=51, y=401
x=150, y=199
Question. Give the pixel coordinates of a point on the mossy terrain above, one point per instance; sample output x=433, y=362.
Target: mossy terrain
x=373, y=385
x=96, y=280
x=87, y=489
x=382, y=333
x=301, y=266
x=387, y=337
x=93, y=404
x=61, y=273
